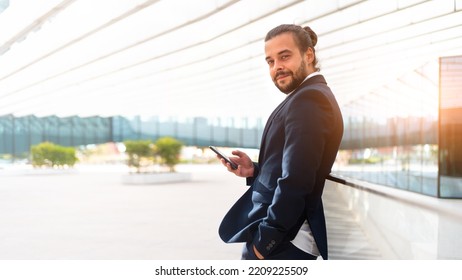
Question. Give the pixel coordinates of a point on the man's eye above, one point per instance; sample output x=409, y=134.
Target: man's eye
x=284, y=57
x=270, y=62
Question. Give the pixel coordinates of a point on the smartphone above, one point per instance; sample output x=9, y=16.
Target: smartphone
x=233, y=165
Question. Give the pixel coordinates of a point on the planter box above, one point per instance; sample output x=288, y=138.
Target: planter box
x=155, y=178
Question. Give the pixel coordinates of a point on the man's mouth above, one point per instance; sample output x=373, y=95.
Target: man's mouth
x=282, y=76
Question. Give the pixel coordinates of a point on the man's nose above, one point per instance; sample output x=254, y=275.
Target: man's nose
x=278, y=66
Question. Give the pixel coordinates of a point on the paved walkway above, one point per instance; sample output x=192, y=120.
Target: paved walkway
x=88, y=213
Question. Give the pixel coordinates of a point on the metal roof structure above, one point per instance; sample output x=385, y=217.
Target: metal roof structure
x=205, y=57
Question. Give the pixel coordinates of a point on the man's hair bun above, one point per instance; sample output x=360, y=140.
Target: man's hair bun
x=313, y=36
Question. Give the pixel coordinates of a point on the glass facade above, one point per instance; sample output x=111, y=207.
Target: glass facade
x=196, y=131
x=17, y=134
x=391, y=135
x=398, y=136
x=450, y=164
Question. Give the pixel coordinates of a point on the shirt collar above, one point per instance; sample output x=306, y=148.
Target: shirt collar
x=315, y=73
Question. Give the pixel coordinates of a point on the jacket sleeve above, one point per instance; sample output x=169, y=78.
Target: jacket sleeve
x=306, y=127
x=250, y=180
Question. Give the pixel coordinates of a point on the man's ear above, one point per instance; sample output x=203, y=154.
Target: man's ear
x=309, y=55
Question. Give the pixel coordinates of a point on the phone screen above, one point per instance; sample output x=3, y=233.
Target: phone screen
x=233, y=165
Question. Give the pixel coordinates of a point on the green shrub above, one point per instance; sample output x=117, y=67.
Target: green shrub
x=140, y=153
x=169, y=150
x=51, y=155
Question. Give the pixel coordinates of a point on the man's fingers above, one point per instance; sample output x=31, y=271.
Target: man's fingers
x=237, y=153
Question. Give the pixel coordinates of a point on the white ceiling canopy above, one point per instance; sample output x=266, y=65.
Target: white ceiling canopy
x=205, y=57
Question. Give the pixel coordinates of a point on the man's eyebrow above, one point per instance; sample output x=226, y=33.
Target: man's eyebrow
x=284, y=51
x=279, y=53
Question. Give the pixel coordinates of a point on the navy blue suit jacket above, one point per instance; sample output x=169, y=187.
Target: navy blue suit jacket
x=298, y=148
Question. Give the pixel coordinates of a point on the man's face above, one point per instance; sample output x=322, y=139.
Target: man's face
x=288, y=67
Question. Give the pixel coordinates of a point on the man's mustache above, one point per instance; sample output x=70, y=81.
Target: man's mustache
x=282, y=73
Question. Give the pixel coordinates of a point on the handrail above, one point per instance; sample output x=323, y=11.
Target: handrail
x=451, y=207
x=336, y=179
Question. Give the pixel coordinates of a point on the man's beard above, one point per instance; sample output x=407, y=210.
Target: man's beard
x=297, y=78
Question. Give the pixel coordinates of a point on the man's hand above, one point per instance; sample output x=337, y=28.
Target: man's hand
x=245, y=165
